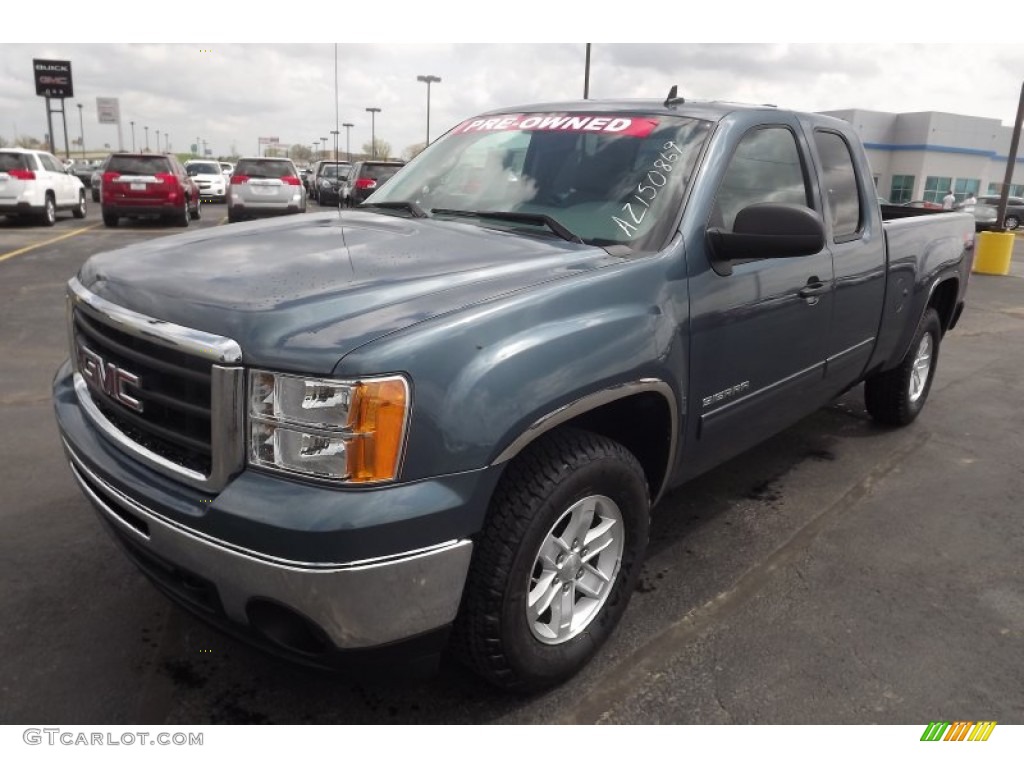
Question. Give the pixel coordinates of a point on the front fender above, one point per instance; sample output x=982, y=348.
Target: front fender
x=484, y=376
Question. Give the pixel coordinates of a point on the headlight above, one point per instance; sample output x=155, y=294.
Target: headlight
x=351, y=431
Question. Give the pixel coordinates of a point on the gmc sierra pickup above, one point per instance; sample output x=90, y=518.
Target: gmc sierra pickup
x=440, y=420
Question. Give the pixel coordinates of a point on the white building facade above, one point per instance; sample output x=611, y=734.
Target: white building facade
x=924, y=155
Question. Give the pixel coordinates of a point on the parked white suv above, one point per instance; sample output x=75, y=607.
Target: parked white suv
x=34, y=183
x=213, y=185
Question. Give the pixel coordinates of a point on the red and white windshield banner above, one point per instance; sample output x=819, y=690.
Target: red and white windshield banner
x=620, y=125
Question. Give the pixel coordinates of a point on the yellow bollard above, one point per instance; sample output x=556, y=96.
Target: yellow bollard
x=993, y=252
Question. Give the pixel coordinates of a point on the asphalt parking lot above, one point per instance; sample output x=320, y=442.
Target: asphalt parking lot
x=839, y=573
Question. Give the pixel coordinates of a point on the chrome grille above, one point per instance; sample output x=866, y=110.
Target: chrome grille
x=173, y=405
x=174, y=391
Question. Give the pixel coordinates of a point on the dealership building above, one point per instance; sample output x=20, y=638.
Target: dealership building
x=923, y=155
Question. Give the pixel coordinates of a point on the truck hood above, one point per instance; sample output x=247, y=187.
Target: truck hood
x=299, y=293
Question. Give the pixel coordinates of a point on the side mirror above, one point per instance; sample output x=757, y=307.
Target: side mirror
x=767, y=231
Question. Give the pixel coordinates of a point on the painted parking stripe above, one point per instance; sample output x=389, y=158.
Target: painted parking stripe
x=27, y=248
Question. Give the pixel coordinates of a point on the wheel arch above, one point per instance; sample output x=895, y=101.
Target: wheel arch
x=641, y=415
x=943, y=299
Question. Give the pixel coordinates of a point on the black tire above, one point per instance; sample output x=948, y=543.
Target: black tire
x=198, y=212
x=493, y=633
x=896, y=397
x=232, y=217
x=79, y=210
x=49, y=215
x=109, y=219
x=95, y=195
x=1012, y=222
x=181, y=217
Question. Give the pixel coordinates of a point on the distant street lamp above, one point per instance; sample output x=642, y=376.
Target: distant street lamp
x=348, y=152
x=323, y=145
x=428, y=79
x=133, y=134
x=146, y=128
x=157, y=139
x=81, y=130
x=373, y=131
x=316, y=150
x=335, y=135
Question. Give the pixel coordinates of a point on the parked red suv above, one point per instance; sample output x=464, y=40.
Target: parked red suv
x=148, y=184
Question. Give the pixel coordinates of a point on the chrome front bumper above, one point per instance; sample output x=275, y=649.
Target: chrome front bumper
x=358, y=605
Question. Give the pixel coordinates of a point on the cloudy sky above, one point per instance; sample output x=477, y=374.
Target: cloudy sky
x=231, y=93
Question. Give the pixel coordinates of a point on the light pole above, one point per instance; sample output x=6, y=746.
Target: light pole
x=158, y=140
x=81, y=130
x=133, y=134
x=428, y=79
x=348, y=151
x=146, y=128
x=373, y=131
x=586, y=75
x=335, y=135
x=323, y=145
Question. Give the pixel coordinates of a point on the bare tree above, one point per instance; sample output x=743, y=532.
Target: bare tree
x=383, y=150
x=414, y=149
x=300, y=152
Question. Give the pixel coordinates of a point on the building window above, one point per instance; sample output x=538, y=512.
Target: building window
x=902, y=189
x=964, y=188
x=936, y=188
x=1017, y=190
x=993, y=187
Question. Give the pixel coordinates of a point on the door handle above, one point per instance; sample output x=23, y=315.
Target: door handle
x=814, y=287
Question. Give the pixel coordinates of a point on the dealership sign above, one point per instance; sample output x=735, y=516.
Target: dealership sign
x=108, y=110
x=53, y=78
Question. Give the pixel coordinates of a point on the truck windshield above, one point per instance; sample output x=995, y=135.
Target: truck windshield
x=609, y=179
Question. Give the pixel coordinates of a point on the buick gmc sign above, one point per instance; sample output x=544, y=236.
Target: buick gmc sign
x=53, y=78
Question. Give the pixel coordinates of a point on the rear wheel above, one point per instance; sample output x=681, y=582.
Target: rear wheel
x=79, y=210
x=198, y=212
x=181, y=217
x=49, y=215
x=556, y=563
x=1012, y=222
x=110, y=219
x=896, y=397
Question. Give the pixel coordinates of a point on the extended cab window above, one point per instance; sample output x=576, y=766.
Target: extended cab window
x=840, y=184
x=765, y=168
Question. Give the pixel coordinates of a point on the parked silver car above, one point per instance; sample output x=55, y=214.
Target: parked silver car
x=265, y=186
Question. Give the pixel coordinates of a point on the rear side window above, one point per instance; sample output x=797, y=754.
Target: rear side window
x=50, y=163
x=139, y=166
x=379, y=171
x=766, y=168
x=264, y=169
x=14, y=161
x=840, y=184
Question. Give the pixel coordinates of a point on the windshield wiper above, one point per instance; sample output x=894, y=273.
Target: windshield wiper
x=401, y=205
x=517, y=216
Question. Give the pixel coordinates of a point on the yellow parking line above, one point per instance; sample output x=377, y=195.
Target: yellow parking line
x=27, y=248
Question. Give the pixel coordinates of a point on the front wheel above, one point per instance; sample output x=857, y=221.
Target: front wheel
x=557, y=561
x=896, y=397
x=1012, y=222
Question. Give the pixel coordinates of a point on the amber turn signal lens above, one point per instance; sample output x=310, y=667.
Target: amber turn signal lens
x=379, y=413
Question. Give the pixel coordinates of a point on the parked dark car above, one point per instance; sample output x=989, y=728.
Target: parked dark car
x=145, y=184
x=96, y=179
x=84, y=169
x=329, y=171
x=367, y=177
x=1014, y=209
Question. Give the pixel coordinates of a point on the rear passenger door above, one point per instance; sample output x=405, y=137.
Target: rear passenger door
x=855, y=237
x=58, y=180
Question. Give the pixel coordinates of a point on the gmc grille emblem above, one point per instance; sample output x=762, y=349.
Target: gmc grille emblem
x=108, y=378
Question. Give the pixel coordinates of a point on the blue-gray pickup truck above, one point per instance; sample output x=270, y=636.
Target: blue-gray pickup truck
x=438, y=421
